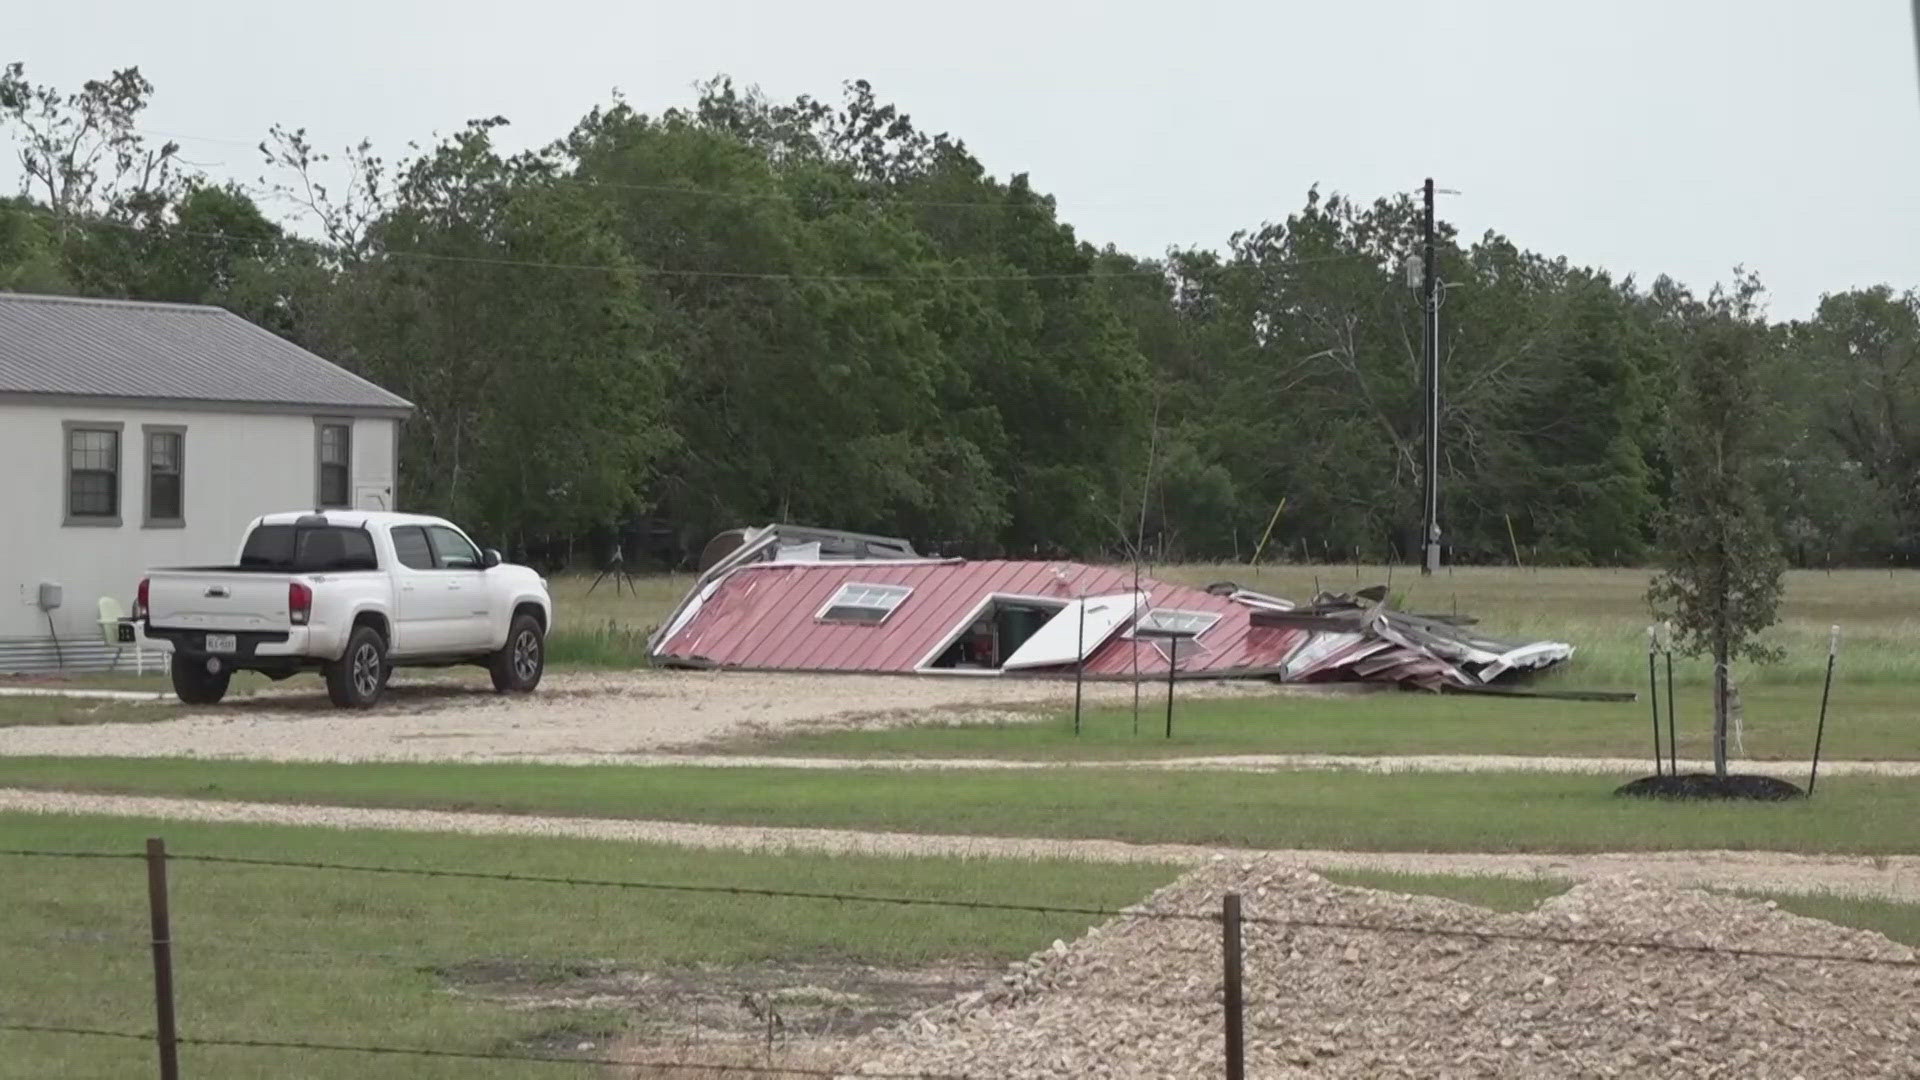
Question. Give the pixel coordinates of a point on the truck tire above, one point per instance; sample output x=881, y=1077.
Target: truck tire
x=193, y=684
x=518, y=664
x=355, y=680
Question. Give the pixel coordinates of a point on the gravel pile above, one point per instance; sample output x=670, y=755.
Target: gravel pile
x=1140, y=997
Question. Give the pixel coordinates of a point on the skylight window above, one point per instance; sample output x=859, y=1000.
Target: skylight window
x=862, y=603
x=1174, y=621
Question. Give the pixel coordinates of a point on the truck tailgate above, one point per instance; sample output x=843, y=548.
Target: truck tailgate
x=210, y=600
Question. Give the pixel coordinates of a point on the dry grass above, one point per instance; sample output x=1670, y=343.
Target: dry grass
x=706, y=1060
x=1605, y=613
x=605, y=625
x=579, y=604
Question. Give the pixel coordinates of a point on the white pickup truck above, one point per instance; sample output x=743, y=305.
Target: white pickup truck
x=351, y=594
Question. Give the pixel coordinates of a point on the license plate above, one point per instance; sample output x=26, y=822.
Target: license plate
x=222, y=643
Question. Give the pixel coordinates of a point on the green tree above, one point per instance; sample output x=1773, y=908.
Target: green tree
x=1721, y=584
x=30, y=259
x=1860, y=358
x=503, y=305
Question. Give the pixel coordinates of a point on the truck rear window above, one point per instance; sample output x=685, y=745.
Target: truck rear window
x=308, y=549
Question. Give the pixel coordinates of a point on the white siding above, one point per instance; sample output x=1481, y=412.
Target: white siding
x=237, y=467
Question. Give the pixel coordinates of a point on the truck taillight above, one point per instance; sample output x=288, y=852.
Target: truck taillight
x=299, y=603
x=140, y=600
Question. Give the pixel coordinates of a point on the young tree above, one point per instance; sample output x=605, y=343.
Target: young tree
x=1722, y=583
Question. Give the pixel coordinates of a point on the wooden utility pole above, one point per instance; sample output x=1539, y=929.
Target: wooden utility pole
x=1430, y=381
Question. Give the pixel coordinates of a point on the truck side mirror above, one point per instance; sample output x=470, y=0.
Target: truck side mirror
x=489, y=559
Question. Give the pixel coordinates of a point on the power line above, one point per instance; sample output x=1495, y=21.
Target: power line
x=654, y=271
x=878, y=196
x=467, y=1055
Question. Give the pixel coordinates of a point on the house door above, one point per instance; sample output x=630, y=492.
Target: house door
x=1065, y=639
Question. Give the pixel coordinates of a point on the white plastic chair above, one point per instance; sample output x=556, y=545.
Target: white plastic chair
x=110, y=615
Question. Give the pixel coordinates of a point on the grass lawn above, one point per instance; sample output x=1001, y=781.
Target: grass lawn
x=1901, y=922
x=18, y=711
x=1313, y=809
x=155, y=681
x=289, y=954
x=1872, y=721
x=1498, y=893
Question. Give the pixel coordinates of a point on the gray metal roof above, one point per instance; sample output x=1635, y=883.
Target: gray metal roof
x=182, y=352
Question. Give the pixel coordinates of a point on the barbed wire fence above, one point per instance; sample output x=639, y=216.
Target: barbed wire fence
x=1228, y=995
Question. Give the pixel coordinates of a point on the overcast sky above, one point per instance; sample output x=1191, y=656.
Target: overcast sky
x=1645, y=136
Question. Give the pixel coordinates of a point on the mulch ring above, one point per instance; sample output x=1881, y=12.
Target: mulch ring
x=1709, y=786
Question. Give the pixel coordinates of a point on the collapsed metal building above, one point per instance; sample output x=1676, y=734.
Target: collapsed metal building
x=784, y=598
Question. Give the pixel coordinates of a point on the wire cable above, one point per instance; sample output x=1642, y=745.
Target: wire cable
x=656, y=271
x=469, y=1055
x=41, y=853
x=876, y=195
x=1579, y=941
x=713, y=890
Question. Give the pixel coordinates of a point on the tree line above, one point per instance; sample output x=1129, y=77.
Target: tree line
x=745, y=310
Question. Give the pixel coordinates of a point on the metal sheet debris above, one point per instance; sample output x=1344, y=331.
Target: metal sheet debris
x=764, y=601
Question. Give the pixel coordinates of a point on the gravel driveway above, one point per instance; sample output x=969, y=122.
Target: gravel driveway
x=574, y=718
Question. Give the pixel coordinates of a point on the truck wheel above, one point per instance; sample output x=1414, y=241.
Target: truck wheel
x=195, y=686
x=355, y=680
x=518, y=665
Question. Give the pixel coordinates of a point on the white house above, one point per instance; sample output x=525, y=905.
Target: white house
x=140, y=434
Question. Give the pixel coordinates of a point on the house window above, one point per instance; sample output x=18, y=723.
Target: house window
x=1171, y=621
x=334, y=442
x=858, y=603
x=93, y=474
x=166, y=497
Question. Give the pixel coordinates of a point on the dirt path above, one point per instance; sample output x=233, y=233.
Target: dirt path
x=1886, y=877
x=575, y=718
x=1444, y=763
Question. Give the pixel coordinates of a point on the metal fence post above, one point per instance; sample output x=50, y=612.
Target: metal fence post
x=1080, y=664
x=1235, y=1006
x=1173, y=652
x=164, y=1035
x=1673, y=736
x=1653, y=695
x=1820, y=733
